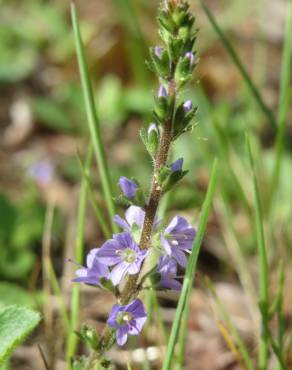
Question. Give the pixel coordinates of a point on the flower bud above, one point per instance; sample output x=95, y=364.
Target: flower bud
x=191, y=57
x=185, y=68
x=162, y=93
x=183, y=118
x=177, y=165
x=128, y=187
x=158, y=50
x=160, y=62
x=188, y=106
x=163, y=105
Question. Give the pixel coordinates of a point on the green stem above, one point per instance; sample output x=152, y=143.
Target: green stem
x=92, y=118
x=263, y=271
x=79, y=252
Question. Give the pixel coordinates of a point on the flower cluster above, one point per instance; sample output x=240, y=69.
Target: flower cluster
x=119, y=265
x=121, y=256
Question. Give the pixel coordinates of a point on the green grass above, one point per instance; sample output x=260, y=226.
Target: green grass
x=240, y=66
x=263, y=269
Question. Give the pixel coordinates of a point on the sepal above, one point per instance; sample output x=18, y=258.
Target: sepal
x=184, y=69
x=89, y=336
x=161, y=62
x=150, y=138
x=163, y=105
x=173, y=179
x=183, y=120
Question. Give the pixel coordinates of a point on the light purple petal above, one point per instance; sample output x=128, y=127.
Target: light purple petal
x=108, y=253
x=137, y=325
x=122, y=223
x=165, y=244
x=134, y=268
x=135, y=215
x=118, y=272
x=170, y=284
x=124, y=240
x=122, y=335
x=113, y=317
x=180, y=257
x=90, y=257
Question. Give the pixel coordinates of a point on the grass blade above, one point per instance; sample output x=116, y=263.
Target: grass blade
x=236, y=60
x=284, y=98
x=92, y=117
x=191, y=268
x=79, y=252
x=263, y=270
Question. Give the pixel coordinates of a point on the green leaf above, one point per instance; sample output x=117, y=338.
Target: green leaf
x=16, y=323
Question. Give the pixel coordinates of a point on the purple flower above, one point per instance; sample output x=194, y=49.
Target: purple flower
x=188, y=106
x=177, y=165
x=162, y=93
x=124, y=254
x=158, y=50
x=167, y=268
x=94, y=270
x=128, y=319
x=178, y=238
x=128, y=187
x=191, y=57
x=42, y=172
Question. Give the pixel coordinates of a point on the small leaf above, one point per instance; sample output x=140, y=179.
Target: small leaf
x=16, y=323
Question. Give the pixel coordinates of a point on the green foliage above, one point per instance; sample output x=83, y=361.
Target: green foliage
x=12, y=294
x=21, y=226
x=16, y=323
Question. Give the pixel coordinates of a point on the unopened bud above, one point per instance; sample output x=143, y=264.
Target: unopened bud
x=191, y=57
x=162, y=93
x=188, y=106
x=153, y=128
x=158, y=50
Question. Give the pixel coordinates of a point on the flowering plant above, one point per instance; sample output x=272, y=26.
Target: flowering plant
x=120, y=264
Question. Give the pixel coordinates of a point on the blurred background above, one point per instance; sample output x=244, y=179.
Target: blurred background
x=44, y=133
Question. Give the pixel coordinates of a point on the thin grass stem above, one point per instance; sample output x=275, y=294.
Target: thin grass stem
x=236, y=60
x=92, y=117
x=263, y=270
x=79, y=252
